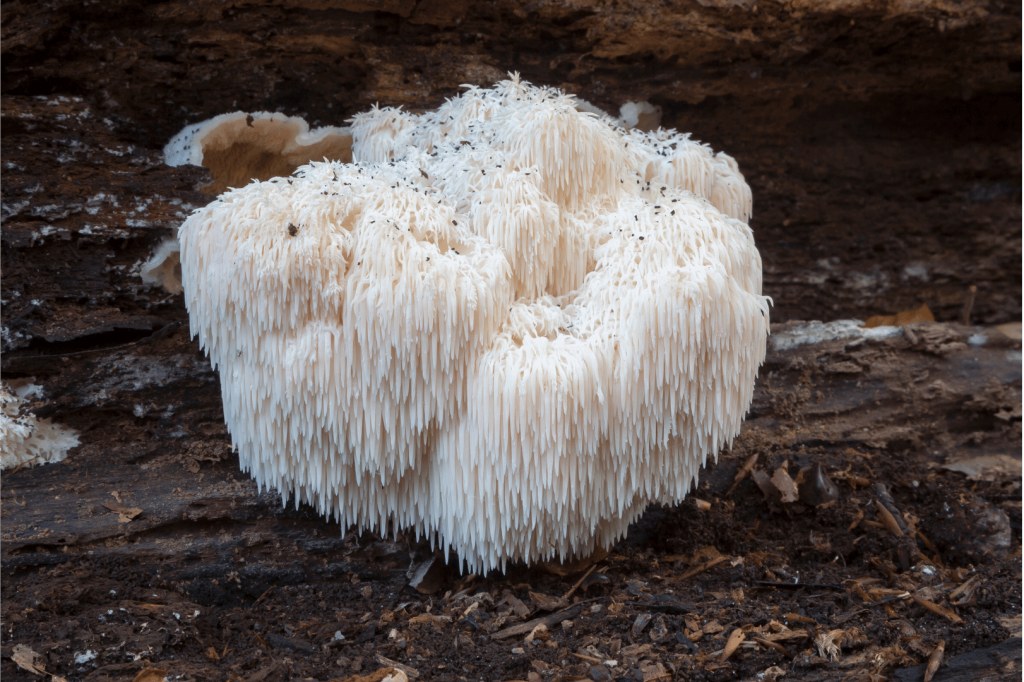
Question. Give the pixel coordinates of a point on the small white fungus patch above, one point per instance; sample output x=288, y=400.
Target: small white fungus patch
x=163, y=269
x=24, y=439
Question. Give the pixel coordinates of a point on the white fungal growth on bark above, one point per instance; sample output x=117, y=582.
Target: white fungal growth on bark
x=508, y=325
x=163, y=269
x=24, y=438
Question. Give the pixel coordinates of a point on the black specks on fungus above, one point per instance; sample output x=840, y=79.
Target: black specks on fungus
x=292, y=230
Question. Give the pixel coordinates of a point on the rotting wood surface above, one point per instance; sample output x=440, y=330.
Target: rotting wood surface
x=208, y=544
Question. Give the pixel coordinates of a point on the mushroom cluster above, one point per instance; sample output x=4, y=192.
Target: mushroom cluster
x=507, y=325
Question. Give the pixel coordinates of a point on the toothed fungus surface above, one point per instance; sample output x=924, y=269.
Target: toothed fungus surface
x=508, y=325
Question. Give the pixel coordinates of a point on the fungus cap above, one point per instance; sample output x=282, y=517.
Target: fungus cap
x=508, y=325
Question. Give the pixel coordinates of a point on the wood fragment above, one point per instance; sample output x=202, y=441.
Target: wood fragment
x=262, y=597
x=549, y=620
x=743, y=472
x=888, y=519
x=702, y=567
x=927, y=543
x=857, y=518
x=935, y=660
x=937, y=610
x=883, y=497
x=965, y=589
x=578, y=583
x=735, y=639
x=411, y=672
x=773, y=645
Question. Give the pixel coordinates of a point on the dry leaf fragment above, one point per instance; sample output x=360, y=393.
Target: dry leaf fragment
x=735, y=639
x=764, y=482
x=702, y=505
x=785, y=485
x=934, y=661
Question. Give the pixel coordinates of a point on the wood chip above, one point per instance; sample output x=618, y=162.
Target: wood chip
x=547, y=621
x=857, y=518
x=735, y=639
x=888, y=520
x=772, y=645
x=937, y=610
x=29, y=660
x=702, y=567
x=743, y=472
x=934, y=661
x=411, y=672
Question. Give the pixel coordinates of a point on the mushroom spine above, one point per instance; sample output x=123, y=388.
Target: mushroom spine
x=508, y=325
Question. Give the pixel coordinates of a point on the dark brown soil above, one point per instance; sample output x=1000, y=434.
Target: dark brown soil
x=883, y=147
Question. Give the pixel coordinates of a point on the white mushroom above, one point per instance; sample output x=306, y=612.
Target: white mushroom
x=239, y=146
x=508, y=325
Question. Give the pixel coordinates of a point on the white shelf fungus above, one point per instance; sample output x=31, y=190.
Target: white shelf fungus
x=238, y=147
x=163, y=269
x=508, y=325
x=24, y=438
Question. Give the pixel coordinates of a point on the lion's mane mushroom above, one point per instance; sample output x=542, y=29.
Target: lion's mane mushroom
x=508, y=325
